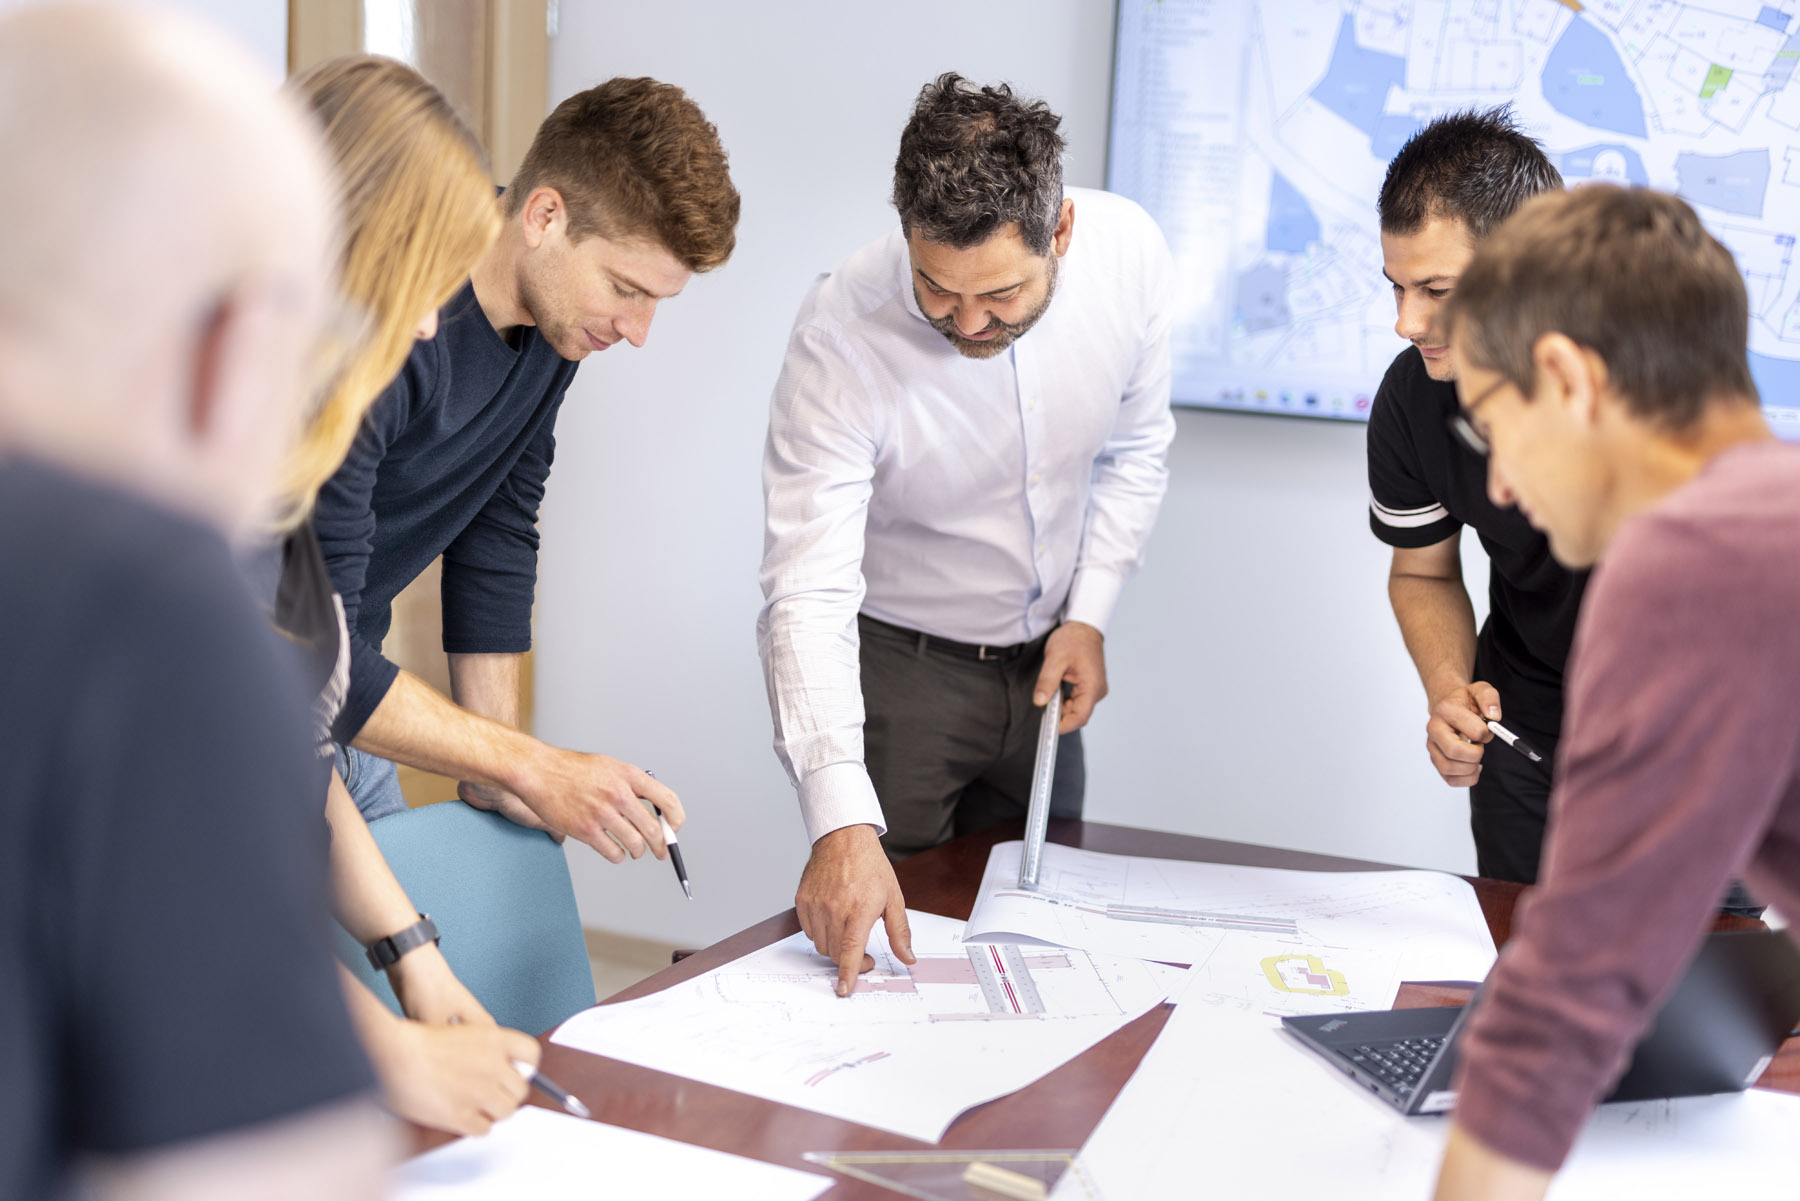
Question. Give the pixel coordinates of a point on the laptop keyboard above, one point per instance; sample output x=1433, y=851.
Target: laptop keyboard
x=1397, y=1064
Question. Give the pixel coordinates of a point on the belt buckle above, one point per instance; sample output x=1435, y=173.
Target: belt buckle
x=981, y=654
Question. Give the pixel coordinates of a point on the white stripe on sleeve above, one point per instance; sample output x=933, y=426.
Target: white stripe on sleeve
x=1407, y=519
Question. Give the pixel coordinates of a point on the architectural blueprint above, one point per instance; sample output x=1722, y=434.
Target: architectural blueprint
x=1250, y=974
x=908, y=1051
x=1398, y=925
x=1231, y=1102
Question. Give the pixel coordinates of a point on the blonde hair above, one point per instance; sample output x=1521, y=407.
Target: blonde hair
x=418, y=207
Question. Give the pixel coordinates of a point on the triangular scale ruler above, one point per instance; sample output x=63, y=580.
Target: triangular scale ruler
x=938, y=1175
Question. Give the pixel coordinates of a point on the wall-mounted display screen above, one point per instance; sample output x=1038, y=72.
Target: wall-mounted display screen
x=1258, y=131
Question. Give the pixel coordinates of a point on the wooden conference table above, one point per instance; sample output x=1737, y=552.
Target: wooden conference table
x=1060, y=1110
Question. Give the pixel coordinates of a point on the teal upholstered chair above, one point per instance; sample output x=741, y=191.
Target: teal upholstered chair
x=504, y=907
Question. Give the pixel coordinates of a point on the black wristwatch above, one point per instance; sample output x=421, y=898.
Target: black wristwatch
x=384, y=953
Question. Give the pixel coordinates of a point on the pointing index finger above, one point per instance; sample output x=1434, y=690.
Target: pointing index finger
x=850, y=957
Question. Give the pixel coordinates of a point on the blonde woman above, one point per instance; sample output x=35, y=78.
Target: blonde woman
x=418, y=208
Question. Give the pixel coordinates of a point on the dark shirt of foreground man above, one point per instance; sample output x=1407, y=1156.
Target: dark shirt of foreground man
x=164, y=969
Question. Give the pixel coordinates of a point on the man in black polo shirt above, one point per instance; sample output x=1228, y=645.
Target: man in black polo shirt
x=622, y=197
x=1448, y=187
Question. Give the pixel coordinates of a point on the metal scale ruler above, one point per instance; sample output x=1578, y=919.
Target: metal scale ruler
x=938, y=1175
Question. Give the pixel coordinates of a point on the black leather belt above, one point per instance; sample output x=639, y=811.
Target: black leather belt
x=960, y=650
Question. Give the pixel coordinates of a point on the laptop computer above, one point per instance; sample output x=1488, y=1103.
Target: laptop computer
x=1716, y=1033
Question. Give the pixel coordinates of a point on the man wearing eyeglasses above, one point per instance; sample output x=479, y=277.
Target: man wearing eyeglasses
x=1599, y=338
x=1448, y=187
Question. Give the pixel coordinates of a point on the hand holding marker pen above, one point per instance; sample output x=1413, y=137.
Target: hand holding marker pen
x=668, y=833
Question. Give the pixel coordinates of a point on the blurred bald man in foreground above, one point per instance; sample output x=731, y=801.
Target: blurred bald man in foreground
x=170, y=1023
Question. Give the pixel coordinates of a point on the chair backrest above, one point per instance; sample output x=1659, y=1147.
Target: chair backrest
x=504, y=907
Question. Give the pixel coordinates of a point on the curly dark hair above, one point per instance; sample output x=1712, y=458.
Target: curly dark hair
x=1474, y=167
x=975, y=158
x=633, y=157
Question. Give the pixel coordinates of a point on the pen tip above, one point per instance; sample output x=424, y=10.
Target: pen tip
x=575, y=1107
x=687, y=888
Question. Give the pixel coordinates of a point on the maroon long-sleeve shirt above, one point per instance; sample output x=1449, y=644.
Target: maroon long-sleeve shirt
x=1677, y=770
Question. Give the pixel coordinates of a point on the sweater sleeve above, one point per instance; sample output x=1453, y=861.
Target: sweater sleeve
x=490, y=569
x=344, y=520
x=1675, y=754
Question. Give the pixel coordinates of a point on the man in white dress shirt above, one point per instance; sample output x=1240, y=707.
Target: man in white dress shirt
x=954, y=506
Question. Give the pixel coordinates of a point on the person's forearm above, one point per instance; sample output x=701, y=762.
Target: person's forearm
x=372, y=1019
x=1437, y=622
x=419, y=726
x=366, y=897
x=1473, y=1171
x=488, y=685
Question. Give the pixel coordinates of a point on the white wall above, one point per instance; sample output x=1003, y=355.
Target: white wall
x=259, y=24
x=1260, y=691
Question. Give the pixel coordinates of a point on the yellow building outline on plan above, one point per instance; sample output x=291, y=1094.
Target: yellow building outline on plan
x=1304, y=974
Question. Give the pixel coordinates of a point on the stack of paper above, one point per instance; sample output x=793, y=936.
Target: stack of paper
x=1272, y=941
x=1226, y=1105
x=908, y=1051
x=547, y=1156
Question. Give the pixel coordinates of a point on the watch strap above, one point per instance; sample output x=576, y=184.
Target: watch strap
x=384, y=953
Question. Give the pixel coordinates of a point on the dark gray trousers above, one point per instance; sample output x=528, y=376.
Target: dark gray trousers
x=951, y=742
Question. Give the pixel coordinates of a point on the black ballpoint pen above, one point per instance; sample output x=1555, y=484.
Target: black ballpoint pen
x=675, y=855
x=668, y=833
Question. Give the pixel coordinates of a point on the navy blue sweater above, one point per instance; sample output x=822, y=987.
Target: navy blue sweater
x=451, y=461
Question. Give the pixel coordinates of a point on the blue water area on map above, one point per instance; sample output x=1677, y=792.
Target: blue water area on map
x=1579, y=164
x=1774, y=18
x=1357, y=81
x=1584, y=79
x=1782, y=69
x=1731, y=183
x=1777, y=380
x=1293, y=226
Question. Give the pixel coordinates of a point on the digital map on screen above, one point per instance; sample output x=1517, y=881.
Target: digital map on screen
x=1258, y=133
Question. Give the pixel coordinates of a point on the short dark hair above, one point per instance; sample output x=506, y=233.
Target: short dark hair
x=975, y=158
x=1627, y=273
x=1474, y=166
x=636, y=158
